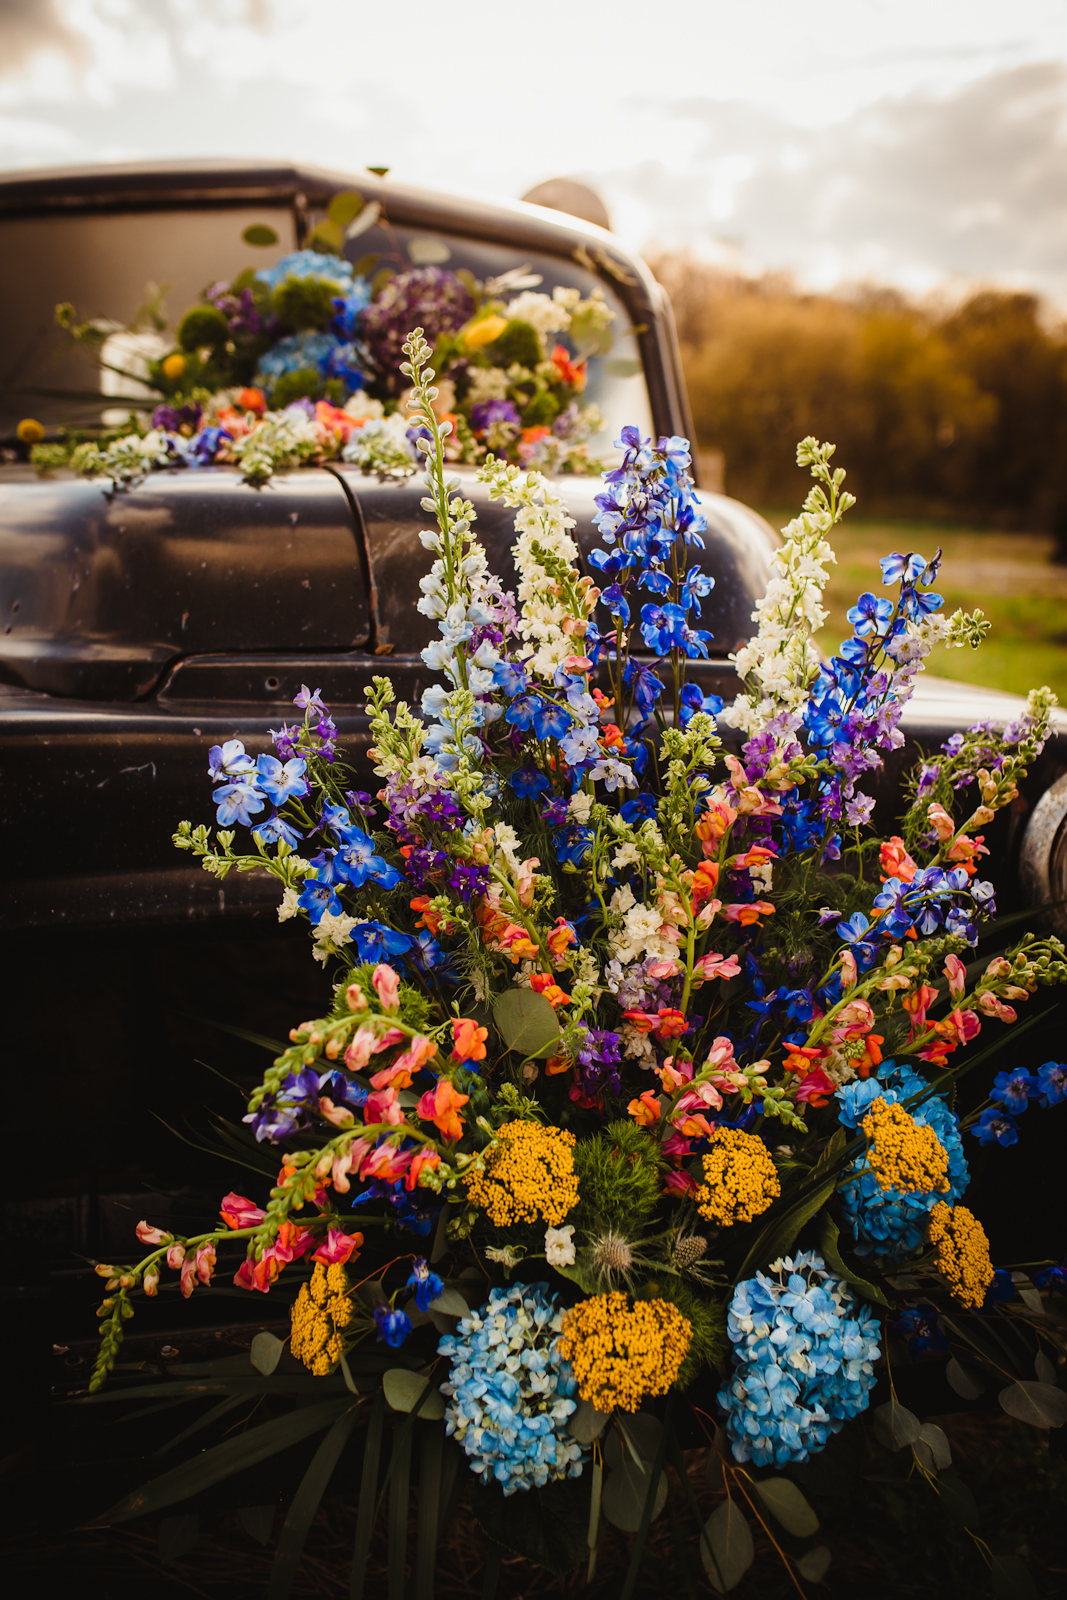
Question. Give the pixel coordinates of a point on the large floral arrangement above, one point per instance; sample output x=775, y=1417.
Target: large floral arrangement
x=642, y=1055
x=298, y=362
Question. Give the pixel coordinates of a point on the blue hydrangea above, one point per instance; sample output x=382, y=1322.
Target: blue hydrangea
x=323, y=351
x=804, y=1349
x=887, y=1222
x=307, y=264
x=510, y=1394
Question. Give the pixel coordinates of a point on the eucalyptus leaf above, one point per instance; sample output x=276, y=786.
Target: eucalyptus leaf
x=366, y=220
x=815, y=1565
x=177, y=1535
x=451, y=1304
x=328, y=237
x=730, y=1539
x=1046, y=1372
x=428, y=252
x=624, y=1493
x=895, y=1426
x=525, y=1021
x=266, y=1352
x=403, y=1388
x=588, y=1423
x=1040, y=1404
x=788, y=1506
x=1010, y=1579
x=1030, y=1297
x=345, y=207
x=964, y=1380
x=641, y=1435
x=257, y=1521
x=934, y=1440
x=958, y=1501
x=260, y=236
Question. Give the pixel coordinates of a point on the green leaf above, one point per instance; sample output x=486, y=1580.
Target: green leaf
x=345, y=207
x=257, y=1521
x=1010, y=1579
x=365, y=266
x=776, y=1238
x=966, y=1382
x=595, y=1497
x=266, y=1352
x=177, y=1535
x=788, y=1506
x=622, y=367
x=221, y=1410
x=815, y=1565
x=547, y=1526
x=451, y=1304
x=829, y=1234
x=525, y=1021
x=305, y=1504
x=895, y=1426
x=1039, y=1404
x=328, y=237
x=260, y=236
x=368, y=1496
x=625, y=1490
x=365, y=221
x=718, y=1456
x=958, y=1501
x=399, y=1507
x=588, y=1423
x=1046, y=1372
x=431, y=1458
x=234, y=1455
x=428, y=252
x=729, y=1536
x=639, y=1434
x=403, y=1389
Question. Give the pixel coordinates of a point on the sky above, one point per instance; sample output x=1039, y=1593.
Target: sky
x=913, y=142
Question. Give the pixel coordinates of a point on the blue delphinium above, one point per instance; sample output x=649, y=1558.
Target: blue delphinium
x=804, y=1349
x=919, y=1325
x=509, y=1394
x=426, y=1284
x=887, y=1222
x=393, y=1326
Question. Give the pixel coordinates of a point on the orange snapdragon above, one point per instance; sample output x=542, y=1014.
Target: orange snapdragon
x=441, y=1106
x=468, y=1040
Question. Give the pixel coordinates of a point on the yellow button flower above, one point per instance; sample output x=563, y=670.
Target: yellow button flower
x=529, y=1173
x=962, y=1251
x=29, y=431
x=902, y=1154
x=174, y=366
x=740, y=1178
x=321, y=1310
x=621, y=1354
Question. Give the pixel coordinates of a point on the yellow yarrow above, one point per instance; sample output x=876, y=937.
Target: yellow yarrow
x=903, y=1154
x=962, y=1249
x=529, y=1173
x=621, y=1354
x=321, y=1310
x=740, y=1178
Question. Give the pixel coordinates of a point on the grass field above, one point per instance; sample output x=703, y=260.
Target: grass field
x=1010, y=576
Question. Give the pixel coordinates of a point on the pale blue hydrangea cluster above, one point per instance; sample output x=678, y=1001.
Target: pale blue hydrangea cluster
x=510, y=1394
x=887, y=1222
x=803, y=1348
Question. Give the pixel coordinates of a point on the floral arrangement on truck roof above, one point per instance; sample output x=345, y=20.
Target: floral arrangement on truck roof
x=298, y=362
x=643, y=1055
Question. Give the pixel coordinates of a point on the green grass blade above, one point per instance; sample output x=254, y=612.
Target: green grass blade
x=641, y=1538
x=399, y=1501
x=453, y=1483
x=306, y=1502
x=275, y=1046
x=368, y=1496
x=258, y=1444
x=678, y=1463
x=431, y=1460
x=493, y=1557
x=221, y=1410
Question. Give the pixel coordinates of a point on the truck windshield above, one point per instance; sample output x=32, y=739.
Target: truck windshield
x=109, y=265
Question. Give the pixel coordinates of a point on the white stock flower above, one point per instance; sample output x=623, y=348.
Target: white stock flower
x=559, y=1246
x=289, y=905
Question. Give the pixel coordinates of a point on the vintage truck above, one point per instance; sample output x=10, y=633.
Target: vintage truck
x=143, y=624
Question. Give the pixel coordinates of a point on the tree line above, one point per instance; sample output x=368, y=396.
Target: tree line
x=957, y=410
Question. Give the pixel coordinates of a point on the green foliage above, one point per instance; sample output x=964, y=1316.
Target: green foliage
x=619, y=1179
x=519, y=343
x=304, y=304
x=542, y=410
x=547, y=1526
x=306, y=383
x=203, y=327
